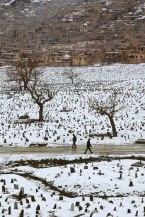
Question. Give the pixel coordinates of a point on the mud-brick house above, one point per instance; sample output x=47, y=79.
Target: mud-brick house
x=66, y=58
x=136, y=58
x=115, y=56
x=56, y=58
x=142, y=49
x=10, y=57
x=82, y=59
x=37, y=56
x=136, y=54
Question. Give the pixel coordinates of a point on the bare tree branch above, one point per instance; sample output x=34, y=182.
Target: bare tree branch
x=22, y=73
x=71, y=74
x=40, y=94
x=108, y=104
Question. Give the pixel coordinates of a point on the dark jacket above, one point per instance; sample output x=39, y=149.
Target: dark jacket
x=74, y=138
x=88, y=143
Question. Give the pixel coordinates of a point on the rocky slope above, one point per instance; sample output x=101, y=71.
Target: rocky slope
x=110, y=24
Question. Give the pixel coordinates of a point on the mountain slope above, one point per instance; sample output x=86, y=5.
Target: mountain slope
x=109, y=25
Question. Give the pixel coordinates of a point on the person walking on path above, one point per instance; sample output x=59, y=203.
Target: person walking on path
x=88, y=146
x=74, y=141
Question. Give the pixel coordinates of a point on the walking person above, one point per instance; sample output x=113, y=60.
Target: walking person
x=74, y=141
x=88, y=146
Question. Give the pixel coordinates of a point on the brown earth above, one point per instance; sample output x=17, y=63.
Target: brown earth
x=97, y=149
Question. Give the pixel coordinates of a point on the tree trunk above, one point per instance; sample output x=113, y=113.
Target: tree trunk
x=20, y=86
x=41, y=112
x=113, y=126
x=25, y=85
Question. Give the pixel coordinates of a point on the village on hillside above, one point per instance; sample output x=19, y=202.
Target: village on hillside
x=80, y=34
x=72, y=108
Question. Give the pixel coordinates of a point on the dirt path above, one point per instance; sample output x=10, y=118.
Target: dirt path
x=97, y=149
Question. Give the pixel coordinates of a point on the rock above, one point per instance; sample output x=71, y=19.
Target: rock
x=23, y=117
x=109, y=215
x=91, y=197
x=131, y=184
x=72, y=169
x=83, y=198
x=38, y=207
x=128, y=211
x=77, y=203
x=43, y=199
x=140, y=141
x=60, y=198
x=72, y=207
x=15, y=205
x=138, y=164
x=16, y=187
x=80, y=208
x=55, y=206
x=101, y=207
x=27, y=201
x=85, y=167
x=86, y=210
x=3, y=189
x=38, y=144
x=9, y=210
x=33, y=199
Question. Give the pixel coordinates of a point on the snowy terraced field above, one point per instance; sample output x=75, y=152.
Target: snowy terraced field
x=99, y=189
x=78, y=117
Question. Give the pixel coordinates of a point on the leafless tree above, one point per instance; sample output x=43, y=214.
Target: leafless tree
x=41, y=94
x=22, y=73
x=108, y=104
x=26, y=76
x=71, y=74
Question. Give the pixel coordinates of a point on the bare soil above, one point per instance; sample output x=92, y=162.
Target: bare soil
x=97, y=149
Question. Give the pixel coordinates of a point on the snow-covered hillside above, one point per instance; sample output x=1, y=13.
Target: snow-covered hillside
x=78, y=118
x=107, y=187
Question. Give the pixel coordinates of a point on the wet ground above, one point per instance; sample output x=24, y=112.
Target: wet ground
x=97, y=149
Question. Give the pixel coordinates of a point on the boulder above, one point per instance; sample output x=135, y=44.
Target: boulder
x=140, y=141
x=38, y=144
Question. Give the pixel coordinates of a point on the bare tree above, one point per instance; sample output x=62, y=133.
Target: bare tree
x=108, y=104
x=71, y=74
x=41, y=94
x=22, y=73
x=25, y=75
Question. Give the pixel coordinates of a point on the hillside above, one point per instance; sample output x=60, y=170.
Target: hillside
x=101, y=26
